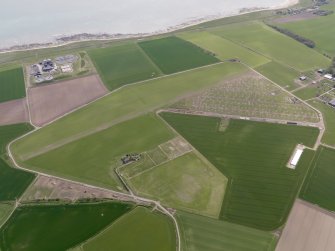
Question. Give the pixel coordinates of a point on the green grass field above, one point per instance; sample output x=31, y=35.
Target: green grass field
x=319, y=186
x=13, y=182
x=261, y=38
x=5, y=211
x=12, y=84
x=329, y=119
x=139, y=230
x=321, y=30
x=185, y=183
x=249, y=96
x=253, y=155
x=40, y=228
x=123, y=105
x=173, y=54
x=125, y=64
x=224, y=49
x=280, y=74
x=201, y=233
x=92, y=159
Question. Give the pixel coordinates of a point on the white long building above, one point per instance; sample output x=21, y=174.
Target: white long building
x=294, y=161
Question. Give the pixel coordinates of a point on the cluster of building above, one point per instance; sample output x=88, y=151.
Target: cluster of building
x=129, y=158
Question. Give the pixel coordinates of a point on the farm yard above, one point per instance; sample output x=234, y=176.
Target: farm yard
x=224, y=49
x=44, y=100
x=124, y=64
x=189, y=184
x=12, y=84
x=122, y=105
x=266, y=149
x=280, y=74
x=67, y=225
x=139, y=230
x=319, y=186
x=16, y=112
x=308, y=229
x=92, y=159
x=314, y=90
x=172, y=54
x=295, y=55
x=202, y=233
x=13, y=182
x=249, y=95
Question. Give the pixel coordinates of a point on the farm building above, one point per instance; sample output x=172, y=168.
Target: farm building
x=66, y=68
x=328, y=76
x=303, y=78
x=332, y=103
x=296, y=157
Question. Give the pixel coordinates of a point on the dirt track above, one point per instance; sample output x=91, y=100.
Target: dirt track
x=14, y=112
x=308, y=229
x=294, y=18
x=49, y=102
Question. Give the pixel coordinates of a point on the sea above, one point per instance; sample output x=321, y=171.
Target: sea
x=33, y=21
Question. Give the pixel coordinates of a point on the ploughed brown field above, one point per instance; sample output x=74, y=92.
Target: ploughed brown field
x=49, y=102
x=309, y=228
x=14, y=112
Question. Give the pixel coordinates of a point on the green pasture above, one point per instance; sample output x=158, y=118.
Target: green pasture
x=13, y=182
x=122, y=105
x=224, y=49
x=186, y=183
x=139, y=230
x=57, y=227
x=173, y=54
x=319, y=186
x=92, y=159
x=253, y=155
x=12, y=84
x=321, y=30
x=314, y=90
x=6, y=209
x=261, y=38
x=121, y=65
x=201, y=233
x=329, y=119
x=280, y=74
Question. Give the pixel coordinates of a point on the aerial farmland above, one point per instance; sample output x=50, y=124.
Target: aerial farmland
x=215, y=137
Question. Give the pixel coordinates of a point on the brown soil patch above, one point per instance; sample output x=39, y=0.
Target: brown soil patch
x=294, y=18
x=14, y=112
x=309, y=228
x=52, y=101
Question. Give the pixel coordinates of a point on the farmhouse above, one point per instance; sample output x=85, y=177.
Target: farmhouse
x=332, y=103
x=328, y=76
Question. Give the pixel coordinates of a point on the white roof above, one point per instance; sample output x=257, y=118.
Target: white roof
x=329, y=76
x=296, y=157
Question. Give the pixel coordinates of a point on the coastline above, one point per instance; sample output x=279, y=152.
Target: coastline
x=85, y=37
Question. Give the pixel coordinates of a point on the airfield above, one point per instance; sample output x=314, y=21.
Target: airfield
x=213, y=114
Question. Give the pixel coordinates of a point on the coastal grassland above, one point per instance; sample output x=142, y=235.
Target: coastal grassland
x=314, y=90
x=139, y=230
x=57, y=227
x=12, y=84
x=6, y=209
x=249, y=95
x=321, y=30
x=92, y=159
x=201, y=233
x=280, y=74
x=319, y=186
x=122, y=105
x=13, y=182
x=187, y=183
x=122, y=65
x=173, y=54
x=253, y=155
x=261, y=38
x=329, y=119
x=224, y=49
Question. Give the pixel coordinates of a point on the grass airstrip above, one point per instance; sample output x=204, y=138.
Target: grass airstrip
x=13, y=182
x=139, y=230
x=201, y=233
x=12, y=84
x=319, y=186
x=273, y=44
x=57, y=227
x=253, y=156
